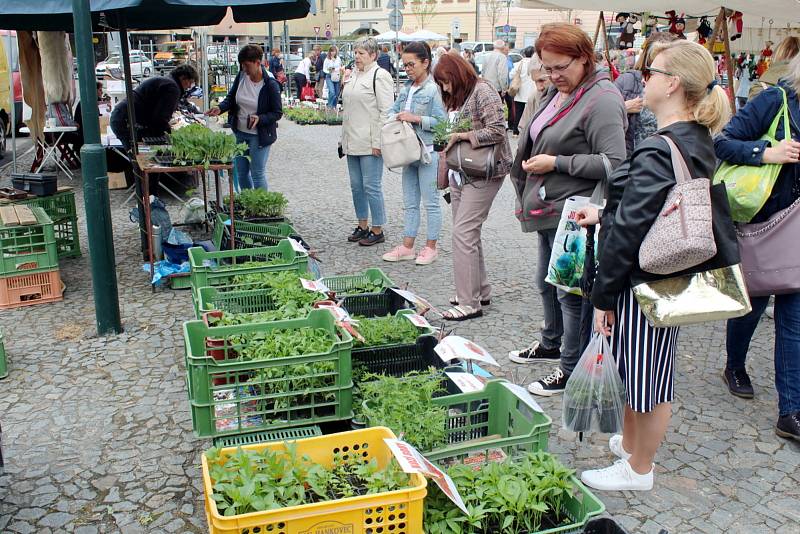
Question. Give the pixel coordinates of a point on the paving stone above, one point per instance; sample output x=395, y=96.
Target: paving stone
x=56, y=520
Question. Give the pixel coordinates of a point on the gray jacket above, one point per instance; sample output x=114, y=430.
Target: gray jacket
x=587, y=133
x=495, y=71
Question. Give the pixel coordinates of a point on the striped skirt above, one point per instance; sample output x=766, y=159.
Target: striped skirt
x=645, y=355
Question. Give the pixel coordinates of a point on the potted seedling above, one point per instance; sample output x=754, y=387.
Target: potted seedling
x=441, y=135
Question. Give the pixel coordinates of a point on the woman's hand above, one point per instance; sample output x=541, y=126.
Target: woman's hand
x=213, y=112
x=539, y=164
x=376, y=151
x=406, y=116
x=603, y=321
x=455, y=138
x=588, y=216
x=783, y=152
x=635, y=105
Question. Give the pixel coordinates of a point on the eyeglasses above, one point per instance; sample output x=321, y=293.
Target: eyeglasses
x=410, y=65
x=647, y=72
x=558, y=69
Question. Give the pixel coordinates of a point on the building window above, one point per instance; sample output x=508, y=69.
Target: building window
x=364, y=4
x=351, y=4
x=377, y=4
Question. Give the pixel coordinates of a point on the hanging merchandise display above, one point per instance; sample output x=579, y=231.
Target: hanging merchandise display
x=767, y=51
x=651, y=25
x=676, y=24
x=628, y=30
x=704, y=30
x=735, y=25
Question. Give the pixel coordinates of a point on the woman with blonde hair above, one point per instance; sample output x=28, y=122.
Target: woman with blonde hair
x=785, y=52
x=681, y=89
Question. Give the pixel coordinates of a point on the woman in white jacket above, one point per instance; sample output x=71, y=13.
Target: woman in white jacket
x=527, y=87
x=367, y=98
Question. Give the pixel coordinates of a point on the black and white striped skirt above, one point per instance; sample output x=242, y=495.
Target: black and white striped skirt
x=645, y=355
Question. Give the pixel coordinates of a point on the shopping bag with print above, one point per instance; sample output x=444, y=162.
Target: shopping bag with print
x=569, y=249
x=307, y=93
x=594, y=397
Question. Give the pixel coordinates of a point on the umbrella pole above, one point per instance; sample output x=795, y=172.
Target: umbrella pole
x=95, y=182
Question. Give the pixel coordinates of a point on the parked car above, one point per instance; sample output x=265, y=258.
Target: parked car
x=141, y=66
x=171, y=54
x=478, y=47
x=479, y=58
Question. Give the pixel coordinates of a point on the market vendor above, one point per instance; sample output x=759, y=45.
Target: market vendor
x=155, y=100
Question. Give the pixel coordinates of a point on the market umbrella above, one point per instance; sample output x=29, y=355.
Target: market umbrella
x=427, y=35
x=391, y=36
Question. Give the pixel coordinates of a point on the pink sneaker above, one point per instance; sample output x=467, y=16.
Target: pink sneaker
x=399, y=253
x=427, y=256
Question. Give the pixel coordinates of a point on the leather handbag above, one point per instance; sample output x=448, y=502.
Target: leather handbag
x=442, y=173
x=516, y=83
x=681, y=236
x=770, y=253
x=401, y=146
x=475, y=163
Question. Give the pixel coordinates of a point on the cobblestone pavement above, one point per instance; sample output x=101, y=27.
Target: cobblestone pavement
x=97, y=433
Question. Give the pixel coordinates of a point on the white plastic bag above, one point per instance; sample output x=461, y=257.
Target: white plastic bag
x=594, y=397
x=193, y=211
x=569, y=248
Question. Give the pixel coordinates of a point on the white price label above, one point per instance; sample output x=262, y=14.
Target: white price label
x=339, y=313
x=418, y=320
x=315, y=285
x=421, y=304
x=411, y=461
x=297, y=246
x=466, y=382
x=453, y=347
x=523, y=395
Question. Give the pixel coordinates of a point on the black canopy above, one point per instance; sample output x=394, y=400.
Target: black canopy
x=109, y=15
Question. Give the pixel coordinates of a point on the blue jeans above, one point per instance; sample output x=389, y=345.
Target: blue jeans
x=366, y=175
x=251, y=173
x=333, y=91
x=419, y=182
x=787, y=345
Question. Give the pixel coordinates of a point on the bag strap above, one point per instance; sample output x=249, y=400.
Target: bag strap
x=374, y=78
x=783, y=112
x=682, y=174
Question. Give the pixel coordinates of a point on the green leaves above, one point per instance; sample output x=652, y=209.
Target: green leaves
x=513, y=496
x=388, y=330
x=262, y=203
x=195, y=144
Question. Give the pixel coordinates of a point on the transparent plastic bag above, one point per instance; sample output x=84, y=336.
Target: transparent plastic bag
x=594, y=397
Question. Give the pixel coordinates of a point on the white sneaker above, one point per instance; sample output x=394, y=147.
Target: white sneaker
x=615, y=445
x=618, y=477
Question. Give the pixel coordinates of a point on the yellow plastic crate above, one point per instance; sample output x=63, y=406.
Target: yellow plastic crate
x=395, y=512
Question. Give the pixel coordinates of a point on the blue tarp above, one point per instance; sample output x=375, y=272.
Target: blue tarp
x=109, y=15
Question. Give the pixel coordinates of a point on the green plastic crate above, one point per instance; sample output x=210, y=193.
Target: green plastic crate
x=180, y=281
x=287, y=434
x=28, y=249
x=3, y=361
x=494, y=411
x=349, y=284
x=203, y=274
x=249, y=235
x=579, y=508
x=378, y=358
x=232, y=300
x=67, y=241
x=227, y=396
x=58, y=207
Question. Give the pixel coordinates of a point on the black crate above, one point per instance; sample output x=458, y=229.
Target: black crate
x=397, y=360
x=387, y=302
x=39, y=184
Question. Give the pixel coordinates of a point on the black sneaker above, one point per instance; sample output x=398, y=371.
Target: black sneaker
x=358, y=234
x=372, y=239
x=552, y=384
x=789, y=426
x=534, y=353
x=738, y=382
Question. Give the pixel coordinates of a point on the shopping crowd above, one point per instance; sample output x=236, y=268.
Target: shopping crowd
x=581, y=134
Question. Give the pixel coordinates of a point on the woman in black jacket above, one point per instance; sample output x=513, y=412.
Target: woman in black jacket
x=681, y=90
x=254, y=109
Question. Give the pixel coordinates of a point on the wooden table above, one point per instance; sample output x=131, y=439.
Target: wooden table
x=148, y=166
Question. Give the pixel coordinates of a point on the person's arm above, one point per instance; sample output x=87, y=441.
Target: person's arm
x=490, y=109
x=166, y=104
x=225, y=105
x=274, y=110
x=384, y=96
x=649, y=181
x=502, y=74
x=604, y=122
x=739, y=142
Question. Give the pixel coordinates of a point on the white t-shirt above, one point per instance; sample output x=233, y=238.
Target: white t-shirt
x=333, y=68
x=247, y=100
x=411, y=91
x=304, y=67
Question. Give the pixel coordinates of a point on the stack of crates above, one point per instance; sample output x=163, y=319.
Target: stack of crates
x=61, y=210
x=28, y=258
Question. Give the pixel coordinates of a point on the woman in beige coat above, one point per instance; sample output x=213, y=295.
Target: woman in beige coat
x=367, y=98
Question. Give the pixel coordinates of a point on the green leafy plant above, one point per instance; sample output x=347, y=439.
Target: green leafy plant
x=388, y=330
x=280, y=343
x=251, y=481
x=404, y=405
x=261, y=203
x=195, y=145
x=442, y=130
x=514, y=496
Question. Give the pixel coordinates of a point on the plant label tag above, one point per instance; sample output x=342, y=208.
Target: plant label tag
x=453, y=347
x=523, y=395
x=466, y=382
x=339, y=313
x=418, y=320
x=411, y=461
x=420, y=303
x=315, y=285
x=297, y=246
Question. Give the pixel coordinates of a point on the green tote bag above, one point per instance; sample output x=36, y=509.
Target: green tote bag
x=750, y=186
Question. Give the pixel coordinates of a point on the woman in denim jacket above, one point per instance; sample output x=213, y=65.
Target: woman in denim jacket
x=419, y=104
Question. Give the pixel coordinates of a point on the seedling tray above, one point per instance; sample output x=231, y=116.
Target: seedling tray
x=239, y=213
x=579, y=507
x=396, y=512
x=229, y=299
x=219, y=268
x=385, y=302
x=251, y=235
x=28, y=248
x=229, y=395
x=352, y=284
x=494, y=411
x=288, y=434
x=398, y=359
